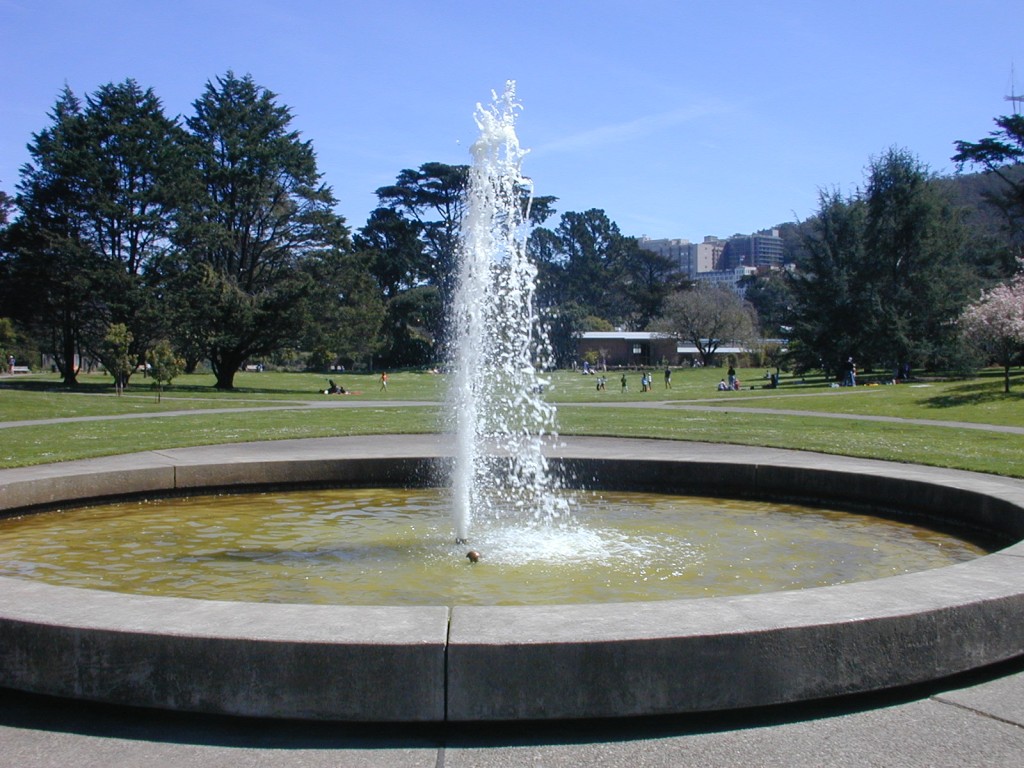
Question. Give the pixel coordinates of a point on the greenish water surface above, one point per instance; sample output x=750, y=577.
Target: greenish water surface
x=396, y=547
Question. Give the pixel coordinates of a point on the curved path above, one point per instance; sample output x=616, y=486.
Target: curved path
x=668, y=405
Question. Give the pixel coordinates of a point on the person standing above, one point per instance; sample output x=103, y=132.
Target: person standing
x=384, y=382
x=668, y=378
x=850, y=373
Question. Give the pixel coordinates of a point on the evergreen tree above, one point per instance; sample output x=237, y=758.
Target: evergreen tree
x=914, y=271
x=829, y=305
x=97, y=203
x=131, y=176
x=591, y=250
x=648, y=278
x=434, y=197
x=260, y=213
x=348, y=319
x=885, y=274
x=1002, y=155
x=51, y=262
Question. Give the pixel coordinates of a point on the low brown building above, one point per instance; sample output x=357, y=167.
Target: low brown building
x=640, y=349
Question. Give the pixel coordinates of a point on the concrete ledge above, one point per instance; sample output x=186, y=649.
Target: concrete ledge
x=584, y=661
x=290, y=661
x=391, y=663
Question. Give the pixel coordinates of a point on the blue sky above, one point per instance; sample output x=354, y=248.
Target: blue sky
x=678, y=118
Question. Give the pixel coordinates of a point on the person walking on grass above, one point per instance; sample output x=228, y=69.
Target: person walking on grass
x=384, y=382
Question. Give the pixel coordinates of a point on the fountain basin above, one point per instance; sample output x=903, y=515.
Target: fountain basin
x=473, y=663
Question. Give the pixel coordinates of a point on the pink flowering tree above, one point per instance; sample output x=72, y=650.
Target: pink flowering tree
x=995, y=324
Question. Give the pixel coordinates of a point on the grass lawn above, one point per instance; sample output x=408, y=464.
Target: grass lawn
x=708, y=415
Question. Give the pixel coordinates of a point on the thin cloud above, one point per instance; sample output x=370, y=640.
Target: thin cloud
x=638, y=128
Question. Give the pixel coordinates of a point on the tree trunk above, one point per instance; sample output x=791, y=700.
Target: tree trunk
x=224, y=367
x=68, y=371
x=1006, y=378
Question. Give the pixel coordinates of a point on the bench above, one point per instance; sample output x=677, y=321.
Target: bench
x=20, y=369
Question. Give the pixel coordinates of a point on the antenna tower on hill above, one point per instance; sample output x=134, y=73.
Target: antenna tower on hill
x=1013, y=98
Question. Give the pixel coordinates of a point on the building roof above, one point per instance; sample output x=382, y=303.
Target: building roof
x=625, y=335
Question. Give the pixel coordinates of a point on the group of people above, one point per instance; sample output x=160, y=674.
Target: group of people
x=732, y=384
x=337, y=389
x=646, y=381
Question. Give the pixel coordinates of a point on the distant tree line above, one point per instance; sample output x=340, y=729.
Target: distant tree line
x=135, y=238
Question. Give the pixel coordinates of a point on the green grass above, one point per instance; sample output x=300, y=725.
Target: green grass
x=718, y=416
x=975, y=450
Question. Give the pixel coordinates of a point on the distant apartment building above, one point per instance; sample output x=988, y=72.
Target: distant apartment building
x=762, y=250
x=722, y=261
x=707, y=256
x=675, y=249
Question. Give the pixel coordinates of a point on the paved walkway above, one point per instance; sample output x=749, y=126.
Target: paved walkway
x=975, y=721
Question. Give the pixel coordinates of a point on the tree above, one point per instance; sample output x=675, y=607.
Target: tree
x=771, y=294
x=434, y=197
x=397, y=253
x=97, y=203
x=348, y=316
x=6, y=207
x=915, y=272
x=886, y=273
x=165, y=365
x=708, y=316
x=8, y=338
x=50, y=263
x=995, y=324
x=117, y=345
x=412, y=318
x=565, y=324
x=1002, y=155
x=129, y=178
x=591, y=250
x=828, y=303
x=261, y=213
x=647, y=280
x=396, y=259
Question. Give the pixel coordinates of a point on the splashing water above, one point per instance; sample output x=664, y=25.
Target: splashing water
x=499, y=347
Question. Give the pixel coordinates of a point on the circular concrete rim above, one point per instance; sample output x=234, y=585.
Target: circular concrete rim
x=470, y=663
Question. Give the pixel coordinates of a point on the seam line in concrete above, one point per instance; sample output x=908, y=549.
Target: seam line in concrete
x=447, y=671
x=980, y=713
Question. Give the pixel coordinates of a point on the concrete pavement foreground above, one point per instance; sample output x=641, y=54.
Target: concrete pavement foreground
x=972, y=721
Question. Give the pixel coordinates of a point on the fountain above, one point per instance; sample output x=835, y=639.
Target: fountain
x=443, y=662
x=496, y=400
